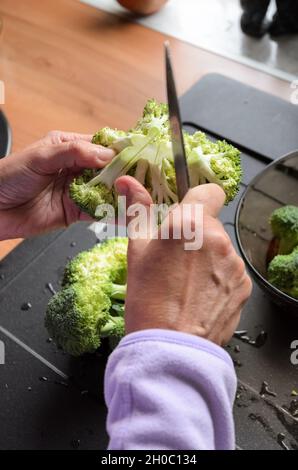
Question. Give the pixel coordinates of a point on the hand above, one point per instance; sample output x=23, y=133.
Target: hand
x=34, y=183
x=199, y=292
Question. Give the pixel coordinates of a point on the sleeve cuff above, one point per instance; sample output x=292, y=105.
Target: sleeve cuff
x=179, y=338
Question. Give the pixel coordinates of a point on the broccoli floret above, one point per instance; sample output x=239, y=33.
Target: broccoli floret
x=91, y=302
x=105, y=261
x=214, y=162
x=284, y=224
x=283, y=273
x=145, y=152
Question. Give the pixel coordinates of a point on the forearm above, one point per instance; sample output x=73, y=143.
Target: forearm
x=169, y=390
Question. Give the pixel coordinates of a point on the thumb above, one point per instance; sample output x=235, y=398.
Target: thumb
x=73, y=155
x=138, y=202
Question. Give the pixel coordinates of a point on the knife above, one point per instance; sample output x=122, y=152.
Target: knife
x=181, y=169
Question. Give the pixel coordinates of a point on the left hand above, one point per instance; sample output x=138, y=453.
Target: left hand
x=34, y=183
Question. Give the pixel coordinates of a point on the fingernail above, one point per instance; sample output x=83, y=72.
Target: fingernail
x=121, y=188
x=105, y=154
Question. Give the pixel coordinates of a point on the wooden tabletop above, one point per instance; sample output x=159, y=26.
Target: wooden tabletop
x=69, y=66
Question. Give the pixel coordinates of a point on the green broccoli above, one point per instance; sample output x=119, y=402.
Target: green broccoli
x=283, y=273
x=90, y=304
x=284, y=225
x=145, y=152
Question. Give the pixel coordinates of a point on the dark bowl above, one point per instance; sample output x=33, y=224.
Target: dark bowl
x=274, y=187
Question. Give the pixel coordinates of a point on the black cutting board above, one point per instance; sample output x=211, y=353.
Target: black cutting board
x=52, y=415
x=264, y=125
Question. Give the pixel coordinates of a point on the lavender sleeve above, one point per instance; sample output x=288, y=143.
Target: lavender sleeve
x=167, y=390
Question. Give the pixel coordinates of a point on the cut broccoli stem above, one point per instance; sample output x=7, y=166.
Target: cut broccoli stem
x=118, y=309
x=141, y=171
x=121, y=164
x=118, y=292
x=115, y=326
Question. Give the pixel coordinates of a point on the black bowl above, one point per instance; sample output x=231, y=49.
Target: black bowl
x=274, y=187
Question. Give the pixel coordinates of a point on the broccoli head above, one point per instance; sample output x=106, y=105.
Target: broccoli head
x=283, y=273
x=145, y=152
x=90, y=304
x=284, y=225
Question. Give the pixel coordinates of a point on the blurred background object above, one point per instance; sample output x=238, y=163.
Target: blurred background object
x=253, y=21
x=284, y=21
x=144, y=7
x=214, y=25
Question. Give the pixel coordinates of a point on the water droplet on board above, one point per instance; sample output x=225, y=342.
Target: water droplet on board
x=281, y=440
x=50, y=287
x=26, y=306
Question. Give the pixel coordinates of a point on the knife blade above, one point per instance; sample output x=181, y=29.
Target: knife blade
x=181, y=168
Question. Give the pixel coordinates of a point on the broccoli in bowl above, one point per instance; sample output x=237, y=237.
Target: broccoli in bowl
x=283, y=268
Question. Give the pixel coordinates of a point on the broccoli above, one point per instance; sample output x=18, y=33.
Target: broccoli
x=145, y=152
x=283, y=273
x=284, y=225
x=90, y=304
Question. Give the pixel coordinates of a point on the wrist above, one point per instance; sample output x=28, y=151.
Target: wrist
x=137, y=319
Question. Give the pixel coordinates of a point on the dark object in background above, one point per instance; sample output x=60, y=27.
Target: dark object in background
x=253, y=20
x=5, y=136
x=285, y=20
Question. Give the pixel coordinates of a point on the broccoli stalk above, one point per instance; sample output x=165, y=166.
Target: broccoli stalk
x=114, y=327
x=145, y=152
x=118, y=292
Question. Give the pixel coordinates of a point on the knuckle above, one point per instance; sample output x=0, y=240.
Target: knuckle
x=215, y=236
x=75, y=147
x=240, y=266
x=248, y=285
x=53, y=134
x=246, y=289
x=221, y=243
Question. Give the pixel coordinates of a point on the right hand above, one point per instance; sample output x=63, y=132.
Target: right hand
x=200, y=292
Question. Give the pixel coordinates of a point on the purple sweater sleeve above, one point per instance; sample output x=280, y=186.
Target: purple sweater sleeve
x=167, y=390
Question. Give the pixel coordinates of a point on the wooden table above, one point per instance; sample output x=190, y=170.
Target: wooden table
x=69, y=66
